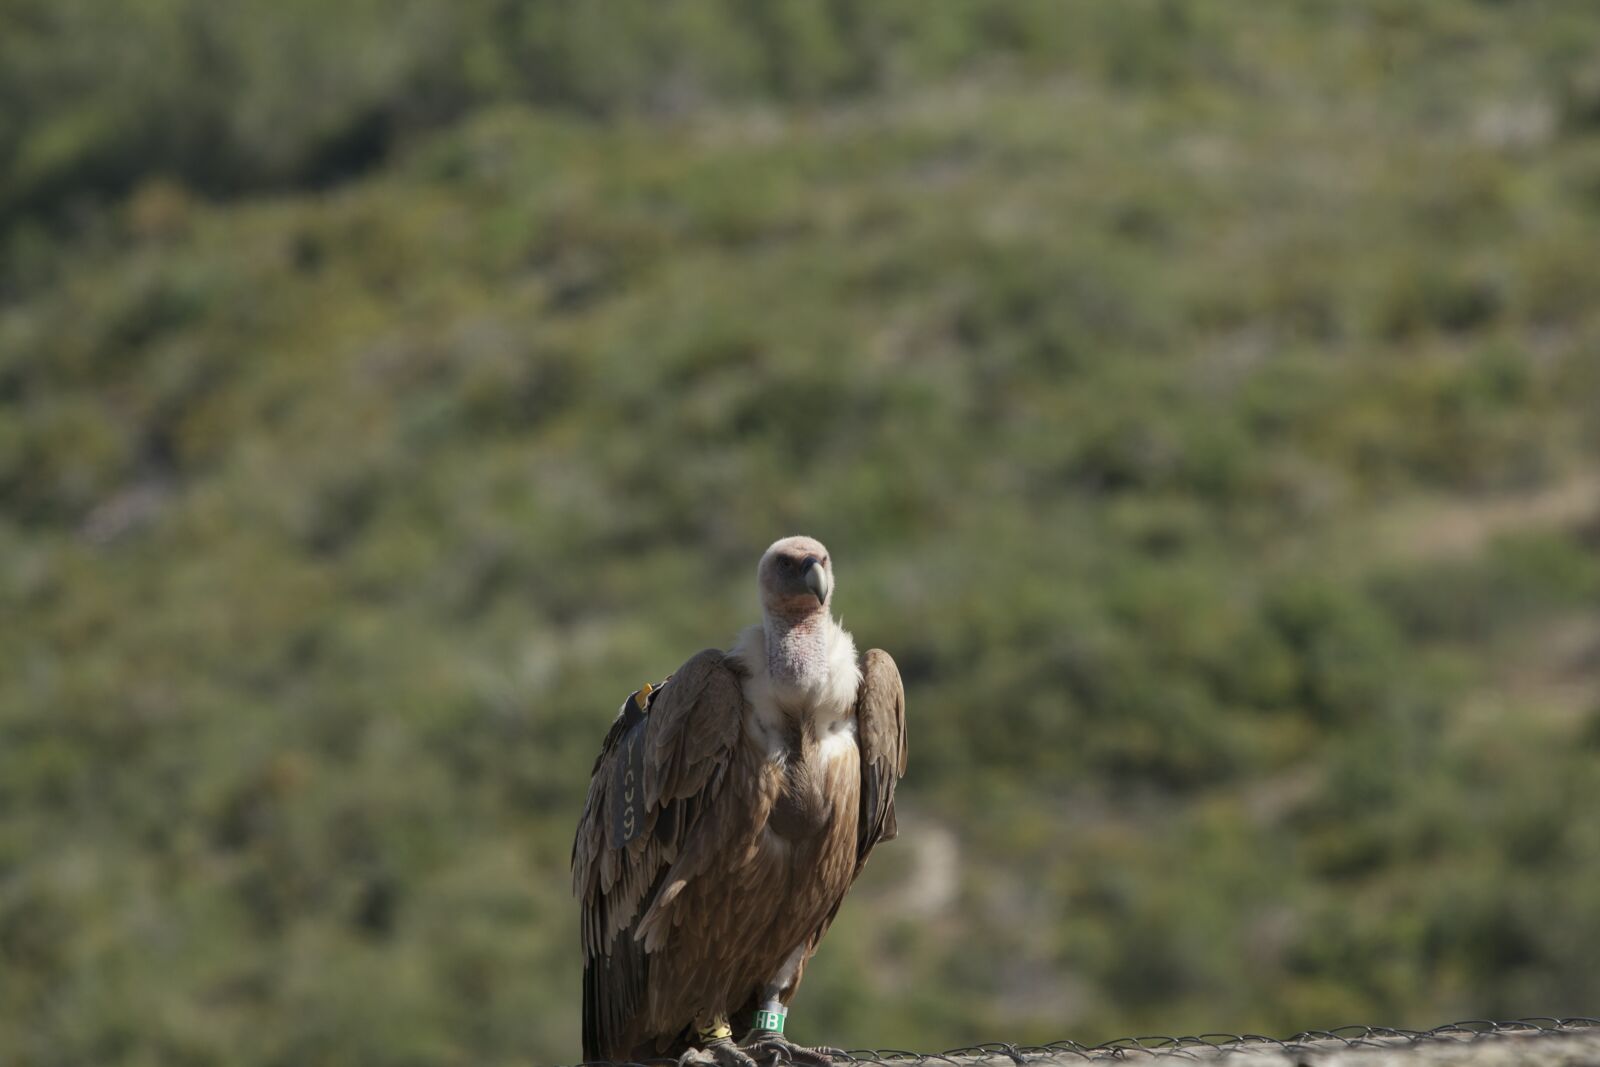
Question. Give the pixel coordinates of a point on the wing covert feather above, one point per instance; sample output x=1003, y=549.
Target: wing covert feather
x=700, y=713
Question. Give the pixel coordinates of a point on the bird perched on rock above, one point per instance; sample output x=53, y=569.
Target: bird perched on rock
x=730, y=809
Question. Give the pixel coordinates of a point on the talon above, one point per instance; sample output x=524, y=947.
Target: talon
x=785, y=1051
x=719, y=1053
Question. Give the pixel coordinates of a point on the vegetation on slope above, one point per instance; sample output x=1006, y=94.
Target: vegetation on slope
x=1201, y=405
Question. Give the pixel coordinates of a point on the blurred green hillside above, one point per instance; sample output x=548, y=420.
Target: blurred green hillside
x=1201, y=400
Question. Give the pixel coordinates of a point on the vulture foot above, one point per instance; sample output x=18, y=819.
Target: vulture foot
x=721, y=1053
x=782, y=1051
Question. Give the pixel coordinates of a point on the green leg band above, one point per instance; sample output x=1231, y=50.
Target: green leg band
x=771, y=1017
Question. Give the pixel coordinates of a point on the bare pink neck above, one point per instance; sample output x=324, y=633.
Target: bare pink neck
x=797, y=646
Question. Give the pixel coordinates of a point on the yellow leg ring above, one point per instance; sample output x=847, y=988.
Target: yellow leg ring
x=717, y=1031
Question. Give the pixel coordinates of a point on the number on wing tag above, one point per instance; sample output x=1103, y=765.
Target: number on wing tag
x=627, y=807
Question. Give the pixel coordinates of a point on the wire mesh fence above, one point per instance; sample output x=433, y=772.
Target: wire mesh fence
x=1217, y=1045
x=1300, y=1048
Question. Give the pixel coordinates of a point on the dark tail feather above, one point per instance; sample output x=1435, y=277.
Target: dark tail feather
x=613, y=996
x=591, y=1003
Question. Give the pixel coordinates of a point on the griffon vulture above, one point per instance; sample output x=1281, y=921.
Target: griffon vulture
x=730, y=809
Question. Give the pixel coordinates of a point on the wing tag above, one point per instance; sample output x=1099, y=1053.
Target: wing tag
x=628, y=811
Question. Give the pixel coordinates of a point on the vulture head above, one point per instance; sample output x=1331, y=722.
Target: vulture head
x=796, y=578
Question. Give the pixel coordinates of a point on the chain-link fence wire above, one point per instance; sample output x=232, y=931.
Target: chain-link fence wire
x=1207, y=1046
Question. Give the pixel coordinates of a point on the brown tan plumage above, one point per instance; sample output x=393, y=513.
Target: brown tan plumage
x=729, y=811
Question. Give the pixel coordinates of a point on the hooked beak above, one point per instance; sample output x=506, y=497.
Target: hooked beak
x=816, y=578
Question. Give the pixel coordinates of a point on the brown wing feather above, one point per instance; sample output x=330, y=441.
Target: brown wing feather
x=881, y=735
x=687, y=735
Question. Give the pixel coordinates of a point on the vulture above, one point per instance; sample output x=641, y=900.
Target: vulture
x=730, y=809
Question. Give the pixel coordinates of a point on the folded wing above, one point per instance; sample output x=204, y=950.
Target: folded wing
x=881, y=735
x=657, y=774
